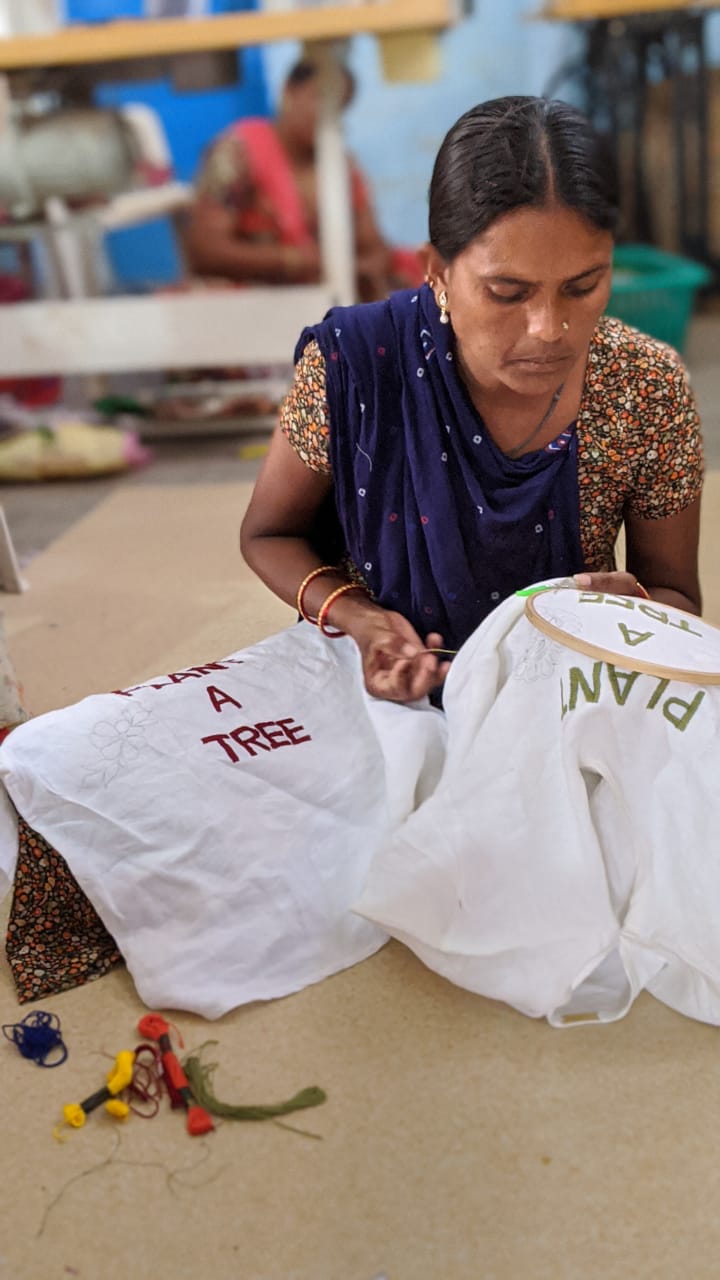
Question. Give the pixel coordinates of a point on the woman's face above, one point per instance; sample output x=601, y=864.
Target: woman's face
x=300, y=111
x=513, y=290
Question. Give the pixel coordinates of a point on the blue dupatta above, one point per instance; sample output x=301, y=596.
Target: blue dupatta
x=441, y=524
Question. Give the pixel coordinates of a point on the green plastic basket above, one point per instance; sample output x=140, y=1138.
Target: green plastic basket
x=655, y=291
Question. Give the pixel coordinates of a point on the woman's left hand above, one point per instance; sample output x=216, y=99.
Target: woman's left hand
x=613, y=584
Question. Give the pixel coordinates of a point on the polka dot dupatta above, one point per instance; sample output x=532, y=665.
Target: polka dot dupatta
x=441, y=524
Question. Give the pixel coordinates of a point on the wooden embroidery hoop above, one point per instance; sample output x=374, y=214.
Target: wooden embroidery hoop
x=617, y=658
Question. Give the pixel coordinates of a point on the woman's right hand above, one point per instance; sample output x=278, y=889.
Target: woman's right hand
x=397, y=665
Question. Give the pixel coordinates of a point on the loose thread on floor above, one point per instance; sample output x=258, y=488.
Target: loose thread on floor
x=38, y=1036
x=174, y=1178
x=200, y=1075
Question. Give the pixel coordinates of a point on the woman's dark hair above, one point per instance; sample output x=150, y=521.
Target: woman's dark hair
x=306, y=70
x=514, y=152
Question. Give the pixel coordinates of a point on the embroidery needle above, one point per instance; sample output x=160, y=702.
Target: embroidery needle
x=422, y=652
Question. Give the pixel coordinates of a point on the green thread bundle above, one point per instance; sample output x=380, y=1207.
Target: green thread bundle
x=200, y=1075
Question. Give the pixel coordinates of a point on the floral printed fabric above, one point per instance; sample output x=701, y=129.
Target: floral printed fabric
x=640, y=447
x=304, y=413
x=639, y=443
x=55, y=939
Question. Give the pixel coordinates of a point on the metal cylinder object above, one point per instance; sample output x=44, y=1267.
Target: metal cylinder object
x=74, y=154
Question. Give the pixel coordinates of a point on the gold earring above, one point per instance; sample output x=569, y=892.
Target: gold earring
x=443, y=304
x=565, y=325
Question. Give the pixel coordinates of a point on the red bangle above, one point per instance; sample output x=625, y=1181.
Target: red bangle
x=327, y=605
x=315, y=573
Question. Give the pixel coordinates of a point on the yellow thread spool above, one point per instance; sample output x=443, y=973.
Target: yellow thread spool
x=122, y=1073
x=117, y=1108
x=118, y=1078
x=74, y=1115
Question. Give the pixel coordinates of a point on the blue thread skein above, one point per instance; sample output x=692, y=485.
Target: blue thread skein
x=37, y=1036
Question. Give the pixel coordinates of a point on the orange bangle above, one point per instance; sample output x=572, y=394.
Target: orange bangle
x=327, y=605
x=324, y=568
x=643, y=590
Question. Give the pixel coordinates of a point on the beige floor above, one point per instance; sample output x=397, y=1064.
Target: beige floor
x=460, y=1141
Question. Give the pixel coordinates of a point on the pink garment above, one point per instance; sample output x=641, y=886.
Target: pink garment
x=272, y=177
x=271, y=174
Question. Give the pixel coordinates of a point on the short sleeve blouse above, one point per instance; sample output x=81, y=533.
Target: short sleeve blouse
x=639, y=442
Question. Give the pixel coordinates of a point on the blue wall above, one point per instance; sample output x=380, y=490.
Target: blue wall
x=712, y=33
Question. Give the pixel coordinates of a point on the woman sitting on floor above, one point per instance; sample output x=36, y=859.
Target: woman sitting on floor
x=255, y=217
x=448, y=446
x=492, y=429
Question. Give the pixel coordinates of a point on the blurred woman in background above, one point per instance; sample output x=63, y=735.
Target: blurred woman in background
x=255, y=217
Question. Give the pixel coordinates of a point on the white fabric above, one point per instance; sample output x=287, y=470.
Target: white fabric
x=224, y=882
x=570, y=855
x=551, y=842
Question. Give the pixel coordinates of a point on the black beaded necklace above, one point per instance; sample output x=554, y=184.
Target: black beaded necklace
x=516, y=452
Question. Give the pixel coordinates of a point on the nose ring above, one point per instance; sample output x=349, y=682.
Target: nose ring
x=565, y=325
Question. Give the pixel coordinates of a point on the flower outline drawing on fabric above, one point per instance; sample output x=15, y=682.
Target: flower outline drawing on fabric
x=118, y=744
x=541, y=659
x=539, y=662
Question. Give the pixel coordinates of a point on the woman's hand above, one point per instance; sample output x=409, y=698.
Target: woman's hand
x=396, y=664
x=612, y=584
